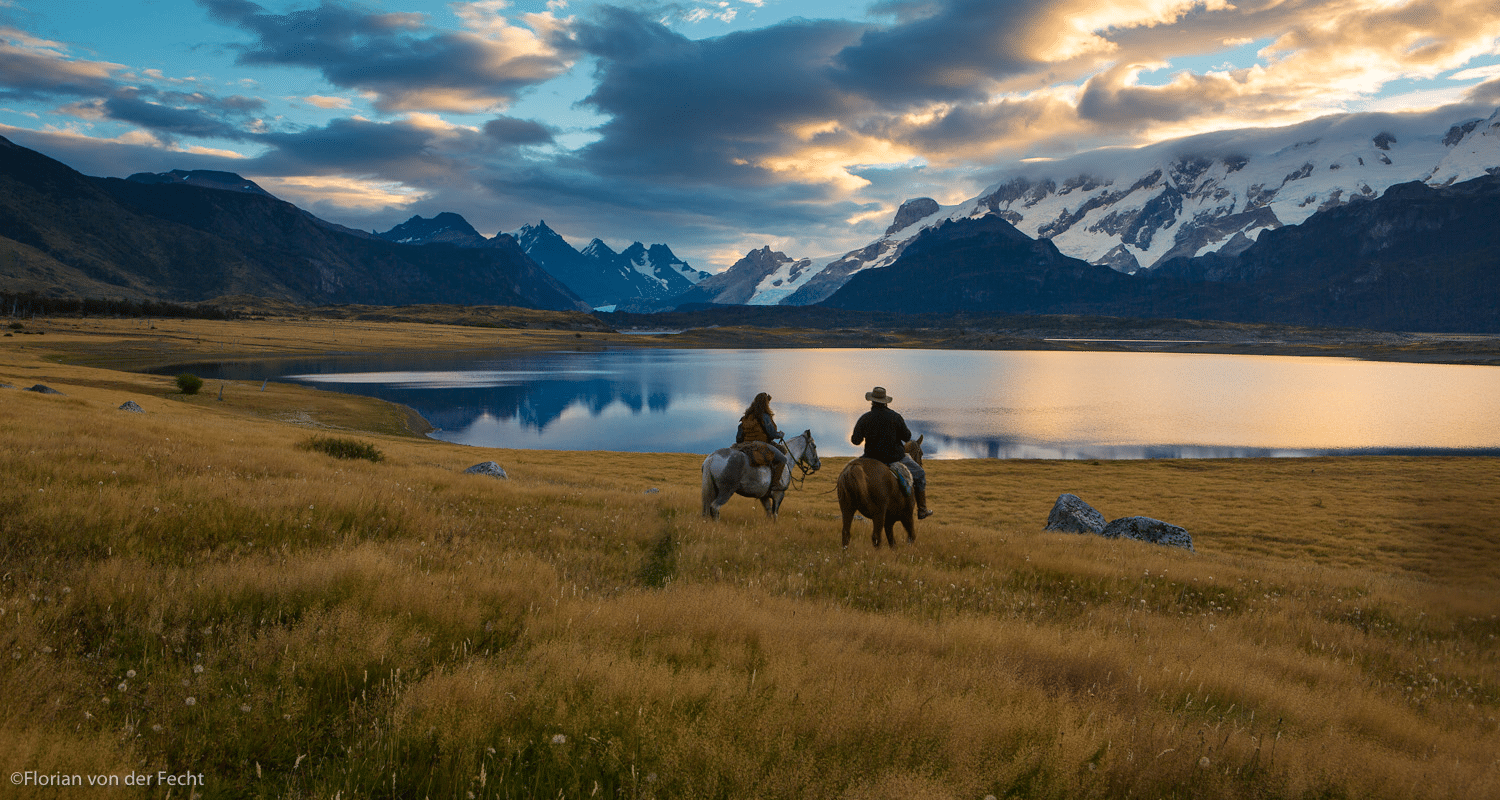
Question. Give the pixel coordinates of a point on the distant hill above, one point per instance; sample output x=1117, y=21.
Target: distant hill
x=176, y=239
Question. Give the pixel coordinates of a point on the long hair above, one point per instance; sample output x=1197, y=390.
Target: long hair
x=760, y=405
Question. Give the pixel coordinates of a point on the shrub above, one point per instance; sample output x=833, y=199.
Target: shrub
x=343, y=448
x=189, y=383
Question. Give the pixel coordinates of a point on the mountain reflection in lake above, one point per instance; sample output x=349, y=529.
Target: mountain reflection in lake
x=966, y=403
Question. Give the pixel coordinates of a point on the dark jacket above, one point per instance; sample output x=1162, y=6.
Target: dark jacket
x=883, y=433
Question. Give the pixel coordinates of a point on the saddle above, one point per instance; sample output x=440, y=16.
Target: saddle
x=763, y=454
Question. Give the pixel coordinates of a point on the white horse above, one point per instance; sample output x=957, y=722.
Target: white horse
x=727, y=472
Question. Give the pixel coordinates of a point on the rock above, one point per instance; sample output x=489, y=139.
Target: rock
x=130, y=405
x=489, y=468
x=40, y=389
x=652, y=490
x=1146, y=529
x=1071, y=515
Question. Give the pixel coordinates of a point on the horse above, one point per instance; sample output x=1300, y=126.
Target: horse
x=872, y=488
x=727, y=472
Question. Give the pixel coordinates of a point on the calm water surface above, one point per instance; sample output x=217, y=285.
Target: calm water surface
x=966, y=403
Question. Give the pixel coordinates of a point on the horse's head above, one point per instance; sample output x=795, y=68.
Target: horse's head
x=914, y=448
x=809, y=453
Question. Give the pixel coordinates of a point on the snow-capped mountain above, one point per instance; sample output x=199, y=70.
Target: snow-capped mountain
x=1133, y=209
x=605, y=278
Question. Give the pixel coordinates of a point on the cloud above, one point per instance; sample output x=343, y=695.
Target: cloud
x=321, y=101
x=398, y=57
x=32, y=68
x=711, y=110
x=509, y=130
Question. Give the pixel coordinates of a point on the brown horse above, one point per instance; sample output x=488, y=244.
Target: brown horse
x=871, y=488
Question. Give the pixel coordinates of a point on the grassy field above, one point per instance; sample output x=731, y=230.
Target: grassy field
x=195, y=589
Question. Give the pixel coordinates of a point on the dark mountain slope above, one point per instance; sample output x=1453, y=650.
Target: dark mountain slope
x=62, y=233
x=981, y=264
x=1417, y=258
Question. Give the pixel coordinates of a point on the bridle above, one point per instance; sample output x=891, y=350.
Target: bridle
x=801, y=462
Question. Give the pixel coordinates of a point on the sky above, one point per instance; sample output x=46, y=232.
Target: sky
x=713, y=126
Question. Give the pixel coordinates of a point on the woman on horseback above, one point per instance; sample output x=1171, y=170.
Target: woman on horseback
x=758, y=424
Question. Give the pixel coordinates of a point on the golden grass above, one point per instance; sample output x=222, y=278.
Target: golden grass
x=400, y=629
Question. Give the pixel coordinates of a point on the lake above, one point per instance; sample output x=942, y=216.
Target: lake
x=988, y=404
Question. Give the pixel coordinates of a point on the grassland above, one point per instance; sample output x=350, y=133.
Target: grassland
x=193, y=589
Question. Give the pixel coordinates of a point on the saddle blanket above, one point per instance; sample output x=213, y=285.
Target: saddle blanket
x=903, y=477
x=760, y=454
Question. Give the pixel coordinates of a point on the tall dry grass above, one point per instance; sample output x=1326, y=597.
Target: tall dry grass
x=190, y=590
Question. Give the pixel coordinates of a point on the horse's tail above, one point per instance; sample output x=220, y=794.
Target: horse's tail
x=710, y=491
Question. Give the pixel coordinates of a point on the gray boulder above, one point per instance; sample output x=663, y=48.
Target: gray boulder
x=130, y=405
x=1146, y=529
x=489, y=468
x=1071, y=515
x=40, y=389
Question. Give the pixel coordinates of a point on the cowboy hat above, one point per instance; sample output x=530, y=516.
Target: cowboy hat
x=878, y=395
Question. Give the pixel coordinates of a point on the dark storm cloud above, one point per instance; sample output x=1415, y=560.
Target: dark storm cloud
x=168, y=120
x=939, y=51
x=347, y=144
x=509, y=130
x=406, y=63
x=706, y=110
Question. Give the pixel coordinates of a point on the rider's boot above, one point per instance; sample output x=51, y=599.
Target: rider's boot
x=922, y=511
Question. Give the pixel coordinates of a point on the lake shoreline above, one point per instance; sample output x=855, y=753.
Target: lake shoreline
x=120, y=343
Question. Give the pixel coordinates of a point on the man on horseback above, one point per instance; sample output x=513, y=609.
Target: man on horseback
x=884, y=434
x=758, y=424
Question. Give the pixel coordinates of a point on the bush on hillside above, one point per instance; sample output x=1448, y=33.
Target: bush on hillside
x=343, y=448
x=189, y=383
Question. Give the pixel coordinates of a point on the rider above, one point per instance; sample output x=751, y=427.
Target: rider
x=759, y=425
x=884, y=435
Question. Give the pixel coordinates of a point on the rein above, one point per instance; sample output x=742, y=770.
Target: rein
x=794, y=481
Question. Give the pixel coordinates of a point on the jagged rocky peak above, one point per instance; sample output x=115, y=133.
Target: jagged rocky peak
x=912, y=211
x=446, y=228
x=203, y=178
x=596, y=248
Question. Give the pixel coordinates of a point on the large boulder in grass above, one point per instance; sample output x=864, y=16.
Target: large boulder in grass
x=1071, y=515
x=40, y=389
x=132, y=407
x=489, y=468
x=1146, y=529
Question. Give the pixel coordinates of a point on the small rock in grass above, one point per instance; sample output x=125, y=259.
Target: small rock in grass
x=1146, y=529
x=130, y=405
x=488, y=468
x=40, y=389
x=1071, y=515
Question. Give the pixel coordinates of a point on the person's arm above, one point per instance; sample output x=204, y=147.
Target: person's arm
x=859, y=432
x=770, y=426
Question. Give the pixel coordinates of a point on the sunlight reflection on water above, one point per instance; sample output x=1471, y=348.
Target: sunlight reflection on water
x=1006, y=404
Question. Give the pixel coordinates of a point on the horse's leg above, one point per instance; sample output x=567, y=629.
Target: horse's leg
x=877, y=521
x=890, y=529
x=848, y=512
x=729, y=479
x=773, y=503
